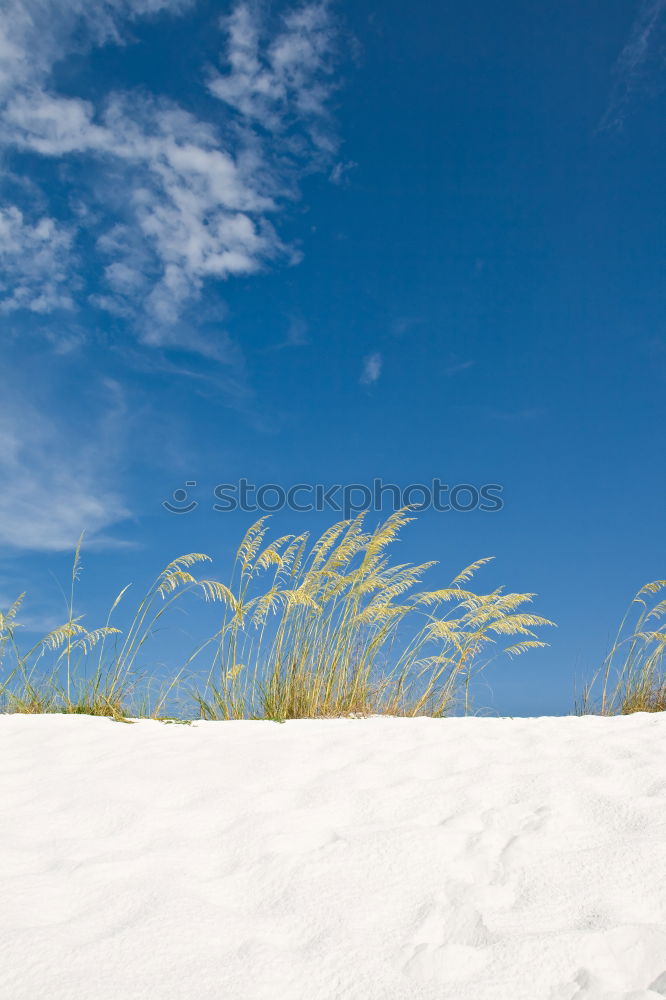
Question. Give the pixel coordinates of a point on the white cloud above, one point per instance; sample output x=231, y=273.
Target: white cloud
x=37, y=266
x=56, y=483
x=287, y=79
x=35, y=34
x=179, y=203
x=192, y=210
x=372, y=368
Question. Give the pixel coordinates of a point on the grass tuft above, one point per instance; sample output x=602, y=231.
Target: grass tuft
x=80, y=671
x=632, y=678
x=335, y=628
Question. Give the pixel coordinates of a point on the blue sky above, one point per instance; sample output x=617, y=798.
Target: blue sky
x=331, y=243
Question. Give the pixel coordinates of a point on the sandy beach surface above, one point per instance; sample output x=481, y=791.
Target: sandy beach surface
x=459, y=859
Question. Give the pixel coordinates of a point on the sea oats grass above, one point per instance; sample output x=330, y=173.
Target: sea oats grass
x=315, y=629
x=76, y=670
x=335, y=628
x=632, y=677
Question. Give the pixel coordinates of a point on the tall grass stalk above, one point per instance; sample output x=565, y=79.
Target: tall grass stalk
x=632, y=678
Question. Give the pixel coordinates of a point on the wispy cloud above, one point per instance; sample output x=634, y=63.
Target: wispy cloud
x=634, y=65
x=457, y=365
x=56, y=483
x=33, y=619
x=176, y=201
x=372, y=368
x=297, y=335
x=298, y=332
x=341, y=171
x=405, y=324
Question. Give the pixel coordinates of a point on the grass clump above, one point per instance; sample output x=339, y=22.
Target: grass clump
x=338, y=629
x=632, y=678
x=309, y=630
x=76, y=670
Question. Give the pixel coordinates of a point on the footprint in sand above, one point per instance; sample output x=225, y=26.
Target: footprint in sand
x=659, y=985
x=449, y=943
x=619, y=958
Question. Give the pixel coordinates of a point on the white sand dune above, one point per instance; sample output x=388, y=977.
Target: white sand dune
x=471, y=859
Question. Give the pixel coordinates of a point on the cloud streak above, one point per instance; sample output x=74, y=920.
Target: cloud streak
x=632, y=68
